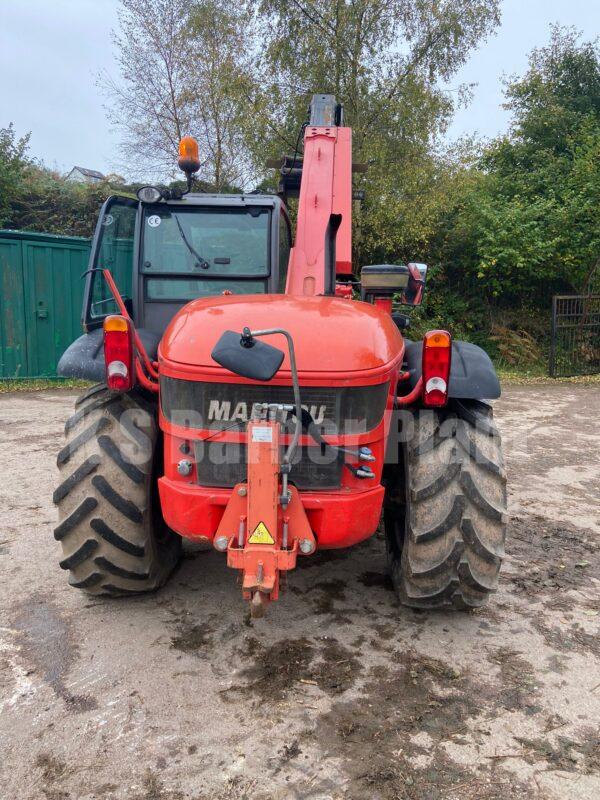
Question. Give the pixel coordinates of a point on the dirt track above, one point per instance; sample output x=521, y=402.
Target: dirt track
x=339, y=692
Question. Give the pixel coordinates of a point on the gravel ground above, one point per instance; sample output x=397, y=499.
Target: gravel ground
x=338, y=692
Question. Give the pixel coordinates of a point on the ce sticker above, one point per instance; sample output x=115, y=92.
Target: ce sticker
x=154, y=221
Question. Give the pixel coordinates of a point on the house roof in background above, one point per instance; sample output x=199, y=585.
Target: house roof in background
x=91, y=173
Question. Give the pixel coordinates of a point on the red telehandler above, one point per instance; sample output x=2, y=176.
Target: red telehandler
x=246, y=400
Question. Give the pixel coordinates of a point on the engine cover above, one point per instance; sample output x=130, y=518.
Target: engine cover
x=347, y=341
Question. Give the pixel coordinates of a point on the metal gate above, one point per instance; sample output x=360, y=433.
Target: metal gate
x=575, y=344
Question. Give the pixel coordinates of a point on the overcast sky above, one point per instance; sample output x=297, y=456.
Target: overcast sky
x=51, y=52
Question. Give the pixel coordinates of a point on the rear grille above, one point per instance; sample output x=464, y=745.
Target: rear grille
x=223, y=464
x=218, y=406
x=228, y=406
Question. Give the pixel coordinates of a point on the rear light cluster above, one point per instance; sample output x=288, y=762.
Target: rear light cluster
x=119, y=353
x=437, y=357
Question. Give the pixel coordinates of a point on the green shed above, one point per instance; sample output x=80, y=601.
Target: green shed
x=41, y=294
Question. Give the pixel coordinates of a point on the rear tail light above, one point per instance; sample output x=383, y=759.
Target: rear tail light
x=119, y=353
x=437, y=356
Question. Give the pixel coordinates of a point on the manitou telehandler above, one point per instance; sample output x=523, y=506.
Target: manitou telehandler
x=248, y=401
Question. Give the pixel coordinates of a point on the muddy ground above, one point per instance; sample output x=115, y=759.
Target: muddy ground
x=338, y=692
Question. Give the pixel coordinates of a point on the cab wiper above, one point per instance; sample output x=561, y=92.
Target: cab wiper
x=202, y=262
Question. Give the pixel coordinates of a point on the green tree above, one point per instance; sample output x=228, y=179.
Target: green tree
x=387, y=61
x=529, y=226
x=13, y=164
x=48, y=203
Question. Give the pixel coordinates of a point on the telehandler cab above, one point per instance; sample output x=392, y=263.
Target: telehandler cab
x=246, y=400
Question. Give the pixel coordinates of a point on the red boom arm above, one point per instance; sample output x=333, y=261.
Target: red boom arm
x=323, y=245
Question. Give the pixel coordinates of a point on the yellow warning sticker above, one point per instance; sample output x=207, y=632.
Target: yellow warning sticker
x=261, y=535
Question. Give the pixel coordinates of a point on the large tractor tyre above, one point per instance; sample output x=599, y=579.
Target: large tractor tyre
x=445, y=519
x=111, y=530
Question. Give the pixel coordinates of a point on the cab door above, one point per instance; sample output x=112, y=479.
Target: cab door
x=113, y=248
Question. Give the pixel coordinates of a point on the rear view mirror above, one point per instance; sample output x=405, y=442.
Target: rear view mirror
x=390, y=280
x=383, y=280
x=415, y=288
x=246, y=356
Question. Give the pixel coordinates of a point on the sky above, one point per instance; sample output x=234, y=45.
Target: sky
x=52, y=53
x=525, y=25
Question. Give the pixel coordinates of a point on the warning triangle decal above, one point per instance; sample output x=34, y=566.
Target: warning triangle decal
x=261, y=535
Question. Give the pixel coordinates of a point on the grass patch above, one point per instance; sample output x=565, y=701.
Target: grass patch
x=40, y=384
x=539, y=375
x=508, y=376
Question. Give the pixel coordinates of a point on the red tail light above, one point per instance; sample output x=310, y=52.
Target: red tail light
x=119, y=353
x=437, y=356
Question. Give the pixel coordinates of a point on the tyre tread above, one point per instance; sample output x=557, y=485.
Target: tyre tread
x=69, y=450
x=75, y=518
x=110, y=536
x=122, y=504
x=112, y=451
x=106, y=504
x=454, y=561
x=66, y=487
x=80, y=555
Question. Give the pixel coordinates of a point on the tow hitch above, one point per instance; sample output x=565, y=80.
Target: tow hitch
x=264, y=525
x=262, y=529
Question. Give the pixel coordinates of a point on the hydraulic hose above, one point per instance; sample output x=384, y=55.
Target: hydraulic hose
x=291, y=450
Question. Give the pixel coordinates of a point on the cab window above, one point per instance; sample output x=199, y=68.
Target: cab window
x=113, y=251
x=207, y=242
x=201, y=251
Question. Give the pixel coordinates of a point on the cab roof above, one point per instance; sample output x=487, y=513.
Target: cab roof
x=232, y=200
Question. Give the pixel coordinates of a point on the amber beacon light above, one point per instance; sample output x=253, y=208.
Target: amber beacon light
x=189, y=159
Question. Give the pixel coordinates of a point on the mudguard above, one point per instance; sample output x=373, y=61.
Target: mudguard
x=472, y=374
x=85, y=357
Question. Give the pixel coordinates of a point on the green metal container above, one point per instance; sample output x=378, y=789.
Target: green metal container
x=41, y=293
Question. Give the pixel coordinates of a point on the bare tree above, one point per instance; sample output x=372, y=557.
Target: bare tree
x=220, y=62
x=147, y=102
x=181, y=68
